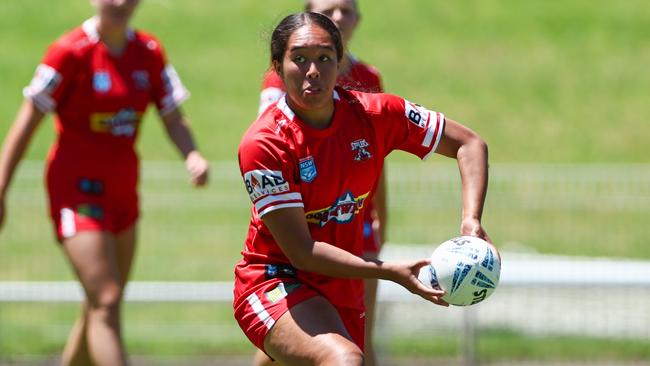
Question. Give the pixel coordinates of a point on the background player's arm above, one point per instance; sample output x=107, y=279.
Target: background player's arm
x=269, y=96
x=291, y=232
x=471, y=152
x=179, y=132
x=15, y=144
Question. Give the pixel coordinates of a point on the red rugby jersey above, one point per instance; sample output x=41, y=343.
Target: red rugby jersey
x=361, y=77
x=99, y=98
x=329, y=172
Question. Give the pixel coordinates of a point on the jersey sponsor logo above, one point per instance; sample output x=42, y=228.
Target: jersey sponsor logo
x=101, y=81
x=262, y=183
x=46, y=79
x=416, y=114
x=140, y=79
x=122, y=123
x=307, y=169
x=341, y=212
x=359, y=146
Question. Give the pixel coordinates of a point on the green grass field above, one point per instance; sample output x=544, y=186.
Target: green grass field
x=542, y=82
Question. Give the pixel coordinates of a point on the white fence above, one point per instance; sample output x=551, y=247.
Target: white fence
x=593, y=297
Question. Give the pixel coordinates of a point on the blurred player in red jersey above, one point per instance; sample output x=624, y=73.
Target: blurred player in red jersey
x=353, y=74
x=99, y=79
x=309, y=163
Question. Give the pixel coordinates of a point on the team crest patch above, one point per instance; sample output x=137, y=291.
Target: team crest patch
x=140, y=79
x=308, y=169
x=359, y=147
x=101, y=82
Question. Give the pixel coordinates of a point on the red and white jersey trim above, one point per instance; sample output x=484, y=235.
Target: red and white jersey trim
x=286, y=110
x=68, y=224
x=433, y=122
x=257, y=306
x=274, y=202
x=277, y=207
x=90, y=29
x=284, y=107
x=40, y=88
x=434, y=131
x=175, y=91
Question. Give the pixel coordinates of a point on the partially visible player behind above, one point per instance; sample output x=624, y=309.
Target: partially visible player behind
x=353, y=74
x=99, y=79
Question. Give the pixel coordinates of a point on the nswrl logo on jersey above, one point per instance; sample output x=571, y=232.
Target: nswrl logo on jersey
x=101, y=81
x=261, y=183
x=307, y=169
x=140, y=79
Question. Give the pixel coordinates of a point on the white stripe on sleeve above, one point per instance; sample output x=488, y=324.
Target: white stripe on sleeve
x=46, y=79
x=430, y=131
x=268, y=200
x=276, y=207
x=175, y=91
x=440, y=123
x=440, y=129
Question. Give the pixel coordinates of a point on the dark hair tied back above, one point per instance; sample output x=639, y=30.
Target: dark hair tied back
x=293, y=22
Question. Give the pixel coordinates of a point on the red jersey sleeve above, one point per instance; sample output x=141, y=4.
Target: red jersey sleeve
x=168, y=90
x=52, y=77
x=404, y=125
x=268, y=173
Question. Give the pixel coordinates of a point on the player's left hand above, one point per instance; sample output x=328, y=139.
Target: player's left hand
x=198, y=168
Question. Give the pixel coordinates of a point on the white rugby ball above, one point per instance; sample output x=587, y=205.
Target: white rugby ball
x=466, y=267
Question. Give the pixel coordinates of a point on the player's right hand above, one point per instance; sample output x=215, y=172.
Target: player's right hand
x=198, y=168
x=406, y=274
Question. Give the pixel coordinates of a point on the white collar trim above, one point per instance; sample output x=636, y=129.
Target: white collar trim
x=90, y=28
x=286, y=110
